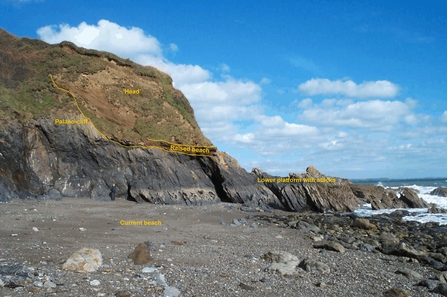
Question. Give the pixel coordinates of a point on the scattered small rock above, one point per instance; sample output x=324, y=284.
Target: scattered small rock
x=123, y=294
x=409, y=273
x=160, y=279
x=443, y=277
x=49, y=284
x=314, y=266
x=321, y=284
x=247, y=287
x=396, y=292
x=428, y=283
x=332, y=246
x=171, y=292
x=279, y=257
x=141, y=255
x=364, y=224
x=149, y=269
x=441, y=289
x=95, y=283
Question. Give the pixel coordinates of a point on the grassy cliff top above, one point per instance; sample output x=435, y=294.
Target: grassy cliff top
x=128, y=102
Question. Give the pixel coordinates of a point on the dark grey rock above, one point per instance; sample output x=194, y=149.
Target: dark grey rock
x=396, y=292
x=409, y=273
x=248, y=209
x=243, y=220
x=443, y=277
x=308, y=227
x=433, y=263
x=404, y=250
x=439, y=192
x=434, y=209
x=314, y=266
x=387, y=239
x=366, y=247
x=379, y=197
x=331, y=246
x=15, y=269
x=317, y=196
x=247, y=287
x=438, y=257
x=428, y=283
x=441, y=289
x=411, y=199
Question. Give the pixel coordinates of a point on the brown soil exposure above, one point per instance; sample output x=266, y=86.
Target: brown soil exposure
x=196, y=252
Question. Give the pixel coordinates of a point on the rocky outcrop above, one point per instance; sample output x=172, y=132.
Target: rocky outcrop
x=381, y=198
x=76, y=161
x=309, y=191
x=439, y=192
x=388, y=234
x=234, y=184
x=411, y=199
x=48, y=161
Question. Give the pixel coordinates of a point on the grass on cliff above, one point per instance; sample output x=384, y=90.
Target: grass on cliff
x=26, y=90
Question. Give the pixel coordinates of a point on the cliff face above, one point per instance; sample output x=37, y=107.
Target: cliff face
x=75, y=121
x=44, y=160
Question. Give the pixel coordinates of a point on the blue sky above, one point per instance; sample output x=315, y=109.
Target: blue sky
x=357, y=89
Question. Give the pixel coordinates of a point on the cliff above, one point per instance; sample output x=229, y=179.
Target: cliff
x=75, y=121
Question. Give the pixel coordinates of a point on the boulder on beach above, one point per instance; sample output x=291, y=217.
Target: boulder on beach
x=283, y=263
x=141, y=254
x=84, y=260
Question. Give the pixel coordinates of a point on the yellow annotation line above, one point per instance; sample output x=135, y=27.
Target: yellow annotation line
x=131, y=146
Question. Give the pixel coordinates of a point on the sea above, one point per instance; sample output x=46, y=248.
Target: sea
x=423, y=186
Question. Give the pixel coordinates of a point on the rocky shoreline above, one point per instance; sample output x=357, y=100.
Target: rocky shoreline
x=216, y=250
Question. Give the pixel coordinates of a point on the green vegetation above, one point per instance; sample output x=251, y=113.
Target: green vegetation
x=175, y=102
x=26, y=91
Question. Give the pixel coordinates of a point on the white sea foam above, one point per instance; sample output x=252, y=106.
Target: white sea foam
x=416, y=214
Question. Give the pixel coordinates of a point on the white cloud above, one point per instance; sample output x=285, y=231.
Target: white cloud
x=374, y=114
x=106, y=36
x=304, y=64
x=274, y=136
x=265, y=81
x=305, y=103
x=323, y=86
x=225, y=68
x=444, y=117
x=173, y=47
x=182, y=74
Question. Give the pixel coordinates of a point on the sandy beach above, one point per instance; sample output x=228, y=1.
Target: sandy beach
x=211, y=250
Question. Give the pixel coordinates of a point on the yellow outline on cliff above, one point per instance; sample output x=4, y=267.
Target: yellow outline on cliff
x=133, y=146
